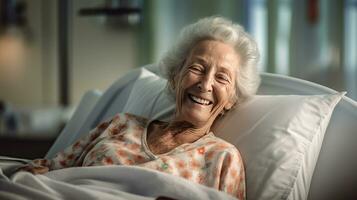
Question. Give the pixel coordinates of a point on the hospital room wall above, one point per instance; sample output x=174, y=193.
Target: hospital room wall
x=29, y=80
x=168, y=17
x=98, y=55
x=313, y=40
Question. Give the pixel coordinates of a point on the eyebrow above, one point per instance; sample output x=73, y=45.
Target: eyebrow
x=196, y=58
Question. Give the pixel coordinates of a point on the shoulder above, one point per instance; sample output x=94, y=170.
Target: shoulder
x=124, y=118
x=222, y=147
x=220, y=144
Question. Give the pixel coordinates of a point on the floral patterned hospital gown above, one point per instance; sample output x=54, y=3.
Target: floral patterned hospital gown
x=209, y=161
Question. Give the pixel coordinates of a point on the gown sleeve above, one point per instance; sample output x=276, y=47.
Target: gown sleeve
x=232, y=176
x=73, y=154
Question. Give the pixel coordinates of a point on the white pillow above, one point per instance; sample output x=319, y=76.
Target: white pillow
x=149, y=98
x=279, y=136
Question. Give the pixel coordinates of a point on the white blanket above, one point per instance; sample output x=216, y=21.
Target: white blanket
x=105, y=182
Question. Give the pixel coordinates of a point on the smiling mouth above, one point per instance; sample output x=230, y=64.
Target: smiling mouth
x=199, y=100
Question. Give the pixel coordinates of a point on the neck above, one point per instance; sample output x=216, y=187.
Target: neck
x=184, y=132
x=163, y=136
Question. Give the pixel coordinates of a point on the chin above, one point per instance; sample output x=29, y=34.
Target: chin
x=196, y=118
x=196, y=114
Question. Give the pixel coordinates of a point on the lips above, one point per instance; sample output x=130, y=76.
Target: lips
x=199, y=100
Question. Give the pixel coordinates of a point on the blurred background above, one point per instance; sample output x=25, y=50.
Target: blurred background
x=53, y=51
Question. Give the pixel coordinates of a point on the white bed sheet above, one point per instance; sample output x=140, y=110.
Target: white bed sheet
x=103, y=182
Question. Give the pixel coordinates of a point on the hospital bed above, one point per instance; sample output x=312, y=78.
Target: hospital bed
x=329, y=173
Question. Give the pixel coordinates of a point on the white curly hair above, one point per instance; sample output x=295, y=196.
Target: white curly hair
x=219, y=29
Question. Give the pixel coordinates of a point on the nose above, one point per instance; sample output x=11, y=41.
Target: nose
x=205, y=84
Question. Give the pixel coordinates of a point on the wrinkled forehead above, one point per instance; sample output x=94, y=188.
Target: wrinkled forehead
x=215, y=52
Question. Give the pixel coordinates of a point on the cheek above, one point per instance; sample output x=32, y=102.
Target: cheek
x=230, y=93
x=182, y=84
x=187, y=81
x=224, y=94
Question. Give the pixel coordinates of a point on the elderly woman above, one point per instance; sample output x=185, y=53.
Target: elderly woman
x=211, y=69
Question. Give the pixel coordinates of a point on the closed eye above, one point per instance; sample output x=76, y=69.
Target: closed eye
x=196, y=69
x=223, y=78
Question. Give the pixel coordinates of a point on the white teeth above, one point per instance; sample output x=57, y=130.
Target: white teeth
x=199, y=100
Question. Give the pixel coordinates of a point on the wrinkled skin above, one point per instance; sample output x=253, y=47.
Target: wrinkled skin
x=209, y=73
x=205, y=87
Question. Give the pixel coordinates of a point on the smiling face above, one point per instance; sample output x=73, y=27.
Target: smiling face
x=205, y=85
